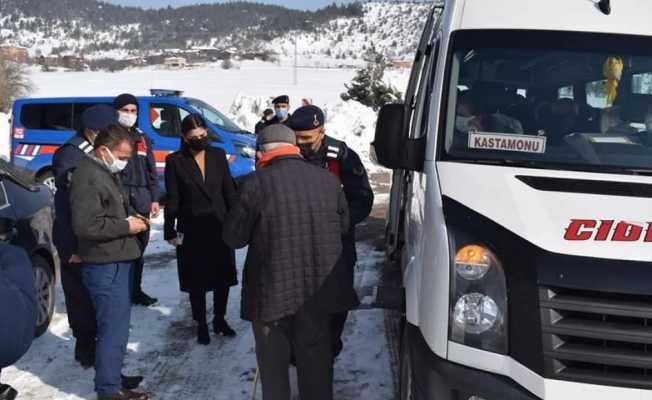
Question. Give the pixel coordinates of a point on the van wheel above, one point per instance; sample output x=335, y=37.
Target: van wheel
x=44, y=283
x=406, y=382
x=47, y=178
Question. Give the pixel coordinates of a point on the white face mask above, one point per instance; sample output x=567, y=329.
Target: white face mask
x=648, y=123
x=463, y=124
x=116, y=165
x=127, y=120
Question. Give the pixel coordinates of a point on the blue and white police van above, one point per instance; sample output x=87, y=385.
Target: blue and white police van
x=39, y=126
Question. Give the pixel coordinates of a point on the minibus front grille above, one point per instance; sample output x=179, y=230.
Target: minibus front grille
x=597, y=337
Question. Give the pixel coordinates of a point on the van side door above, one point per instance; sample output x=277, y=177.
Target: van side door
x=401, y=179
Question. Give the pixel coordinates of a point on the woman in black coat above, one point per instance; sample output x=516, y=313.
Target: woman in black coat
x=200, y=191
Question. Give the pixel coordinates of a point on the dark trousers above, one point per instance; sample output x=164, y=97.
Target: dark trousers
x=306, y=334
x=139, y=264
x=79, y=306
x=198, y=304
x=108, y=286
x=337, y=329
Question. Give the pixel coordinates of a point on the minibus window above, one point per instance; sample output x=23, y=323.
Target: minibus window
x=541, y=99
x=50, y=116
x=4, y=202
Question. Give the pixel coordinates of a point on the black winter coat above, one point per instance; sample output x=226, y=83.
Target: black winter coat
x=197, y=208
x=292, y=216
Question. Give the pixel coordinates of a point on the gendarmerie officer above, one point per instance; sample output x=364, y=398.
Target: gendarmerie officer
x=140, y=180
x=334, y=155
x=81, y=314
x=281, y=113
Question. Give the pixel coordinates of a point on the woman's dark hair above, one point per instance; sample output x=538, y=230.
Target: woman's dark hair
x=192, y=121
x=112, y=136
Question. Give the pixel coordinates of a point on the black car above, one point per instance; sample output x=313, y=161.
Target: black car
x=29, y=209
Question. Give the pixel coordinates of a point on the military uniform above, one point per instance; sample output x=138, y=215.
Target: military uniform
x=140, y=182
x=81, y=314
x=345, y=163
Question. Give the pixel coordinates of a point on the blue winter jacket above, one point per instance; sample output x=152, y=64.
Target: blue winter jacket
x=17, y=304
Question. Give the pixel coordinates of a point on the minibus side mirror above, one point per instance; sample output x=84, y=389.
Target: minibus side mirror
x=392, y=148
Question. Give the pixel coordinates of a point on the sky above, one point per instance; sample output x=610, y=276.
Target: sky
x=299, y=4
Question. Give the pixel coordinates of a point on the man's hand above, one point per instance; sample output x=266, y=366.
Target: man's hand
x=75, y=259
x=174, y=242
x=136, y=225
x=155, y=210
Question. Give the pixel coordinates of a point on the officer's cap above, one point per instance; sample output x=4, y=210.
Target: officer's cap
x=307, y=118
x=284, y=99
x=98, y=117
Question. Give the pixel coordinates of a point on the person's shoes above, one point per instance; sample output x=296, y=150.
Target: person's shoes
x=220, y=326
x=85, y=352
x=202, y=335
x=7, y=392
x=130, y=382
x=142, y=299
x=126, y=395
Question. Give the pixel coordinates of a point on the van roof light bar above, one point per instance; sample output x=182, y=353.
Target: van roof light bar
x=605, y=6
x=166, y=92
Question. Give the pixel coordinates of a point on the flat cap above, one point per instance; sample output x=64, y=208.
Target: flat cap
x=307, y=118
x=98, y=117
x=277, y=133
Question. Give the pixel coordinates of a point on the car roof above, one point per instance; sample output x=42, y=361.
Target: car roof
x=629, y=17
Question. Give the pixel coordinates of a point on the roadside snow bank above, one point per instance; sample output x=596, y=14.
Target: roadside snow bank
x=4, y=136
x=348, y=121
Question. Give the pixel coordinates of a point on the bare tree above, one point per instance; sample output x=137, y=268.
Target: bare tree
x=14, y=83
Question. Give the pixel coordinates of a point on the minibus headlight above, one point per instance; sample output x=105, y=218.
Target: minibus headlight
x=478, y=307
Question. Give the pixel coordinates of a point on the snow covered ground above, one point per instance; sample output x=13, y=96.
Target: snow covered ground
x=162, y=346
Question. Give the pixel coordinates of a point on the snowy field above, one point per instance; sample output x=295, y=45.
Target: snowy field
x=162, y=344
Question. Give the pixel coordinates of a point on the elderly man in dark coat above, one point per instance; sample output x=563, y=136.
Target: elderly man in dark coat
x=292, y=215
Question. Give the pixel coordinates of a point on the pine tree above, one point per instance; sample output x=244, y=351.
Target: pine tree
x=367, y=86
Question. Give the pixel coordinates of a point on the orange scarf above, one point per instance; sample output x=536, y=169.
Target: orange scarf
x=277, y=152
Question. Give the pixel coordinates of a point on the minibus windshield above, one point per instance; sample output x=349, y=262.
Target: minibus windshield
x=550, y=99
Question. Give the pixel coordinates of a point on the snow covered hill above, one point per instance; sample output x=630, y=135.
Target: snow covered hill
x=393, y=27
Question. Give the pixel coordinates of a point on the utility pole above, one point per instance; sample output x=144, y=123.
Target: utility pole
x=296, y=66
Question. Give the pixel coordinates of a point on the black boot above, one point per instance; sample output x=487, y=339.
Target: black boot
x=7, y=392
x=130, y=382
x=220, y=326
x=202, y=334
x=85, y=352
x=143, y=299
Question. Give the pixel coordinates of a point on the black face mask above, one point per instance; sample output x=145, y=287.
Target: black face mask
x=308, y=152
x=200, y=144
